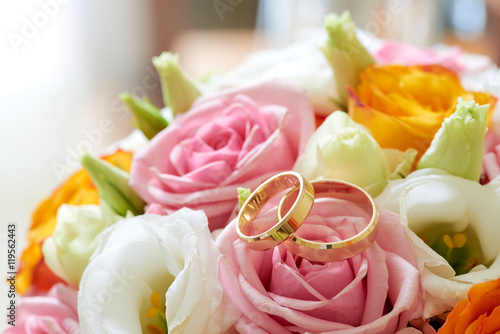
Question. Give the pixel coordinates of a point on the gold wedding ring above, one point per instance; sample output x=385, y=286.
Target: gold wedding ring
x=288, y=223
x=340, y=250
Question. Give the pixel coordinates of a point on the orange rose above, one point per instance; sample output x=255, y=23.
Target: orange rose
x=404, y=106
x=77, y=190
x=479, y=314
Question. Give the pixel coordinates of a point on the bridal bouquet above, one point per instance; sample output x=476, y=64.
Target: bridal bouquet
x=148, y=240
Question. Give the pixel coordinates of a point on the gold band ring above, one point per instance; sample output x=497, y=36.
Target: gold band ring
x=344, y=249
x=287, y=224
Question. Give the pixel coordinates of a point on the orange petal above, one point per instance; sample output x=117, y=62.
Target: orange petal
x=492, y=323
x=388, y=131
x=483, y=298
x=451, y=321
x=485, y=98
x=404, y=106
x=475, y=326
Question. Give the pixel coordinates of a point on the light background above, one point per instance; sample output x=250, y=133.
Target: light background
x=62, y=81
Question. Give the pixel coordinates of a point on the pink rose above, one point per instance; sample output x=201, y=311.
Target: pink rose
x=377, y=291
x=491, y=157
x=236, y=138
x=55, y=313
x=450, y=57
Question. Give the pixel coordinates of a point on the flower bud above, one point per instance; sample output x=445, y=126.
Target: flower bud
x=179, y=91
x=458, y=145
x=147, y=117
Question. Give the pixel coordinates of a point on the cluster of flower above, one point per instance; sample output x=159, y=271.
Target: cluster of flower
x=146, y=241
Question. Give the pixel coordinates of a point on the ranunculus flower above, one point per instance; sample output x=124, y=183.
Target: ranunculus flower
x=342, y=149
x=236, y=138
x=55, y=313
x=456, y=228
x=150, y=272
x=68, y=250
x=404, y=106
x=77, y=190
x=377, y=291
x=479, y=313
x=400, y=53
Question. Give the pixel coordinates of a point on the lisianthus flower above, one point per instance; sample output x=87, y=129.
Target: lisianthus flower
x=458, y=145
x=54, y=313
x=77, y=190
x=68, y=250
x=147, y=117
x=236, y=138
x=345, y=53
x=276, y=291
x=113, y=186
x=342, y=149
x=478, y=313
x=154, y=274
x=178, y=89
x=456, y=233
x=404, y=106
x=400, y=53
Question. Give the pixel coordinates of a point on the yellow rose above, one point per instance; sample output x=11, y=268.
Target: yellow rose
x=404, y=106
x=77, y=190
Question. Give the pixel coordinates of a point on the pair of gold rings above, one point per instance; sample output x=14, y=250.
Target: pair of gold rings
x=297, y=203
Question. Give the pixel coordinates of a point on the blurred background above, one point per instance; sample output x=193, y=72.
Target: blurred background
x=63, y=62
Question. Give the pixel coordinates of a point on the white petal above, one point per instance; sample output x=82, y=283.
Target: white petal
x=431, y=196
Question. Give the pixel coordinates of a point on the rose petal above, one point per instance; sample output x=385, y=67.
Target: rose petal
x=235, y=138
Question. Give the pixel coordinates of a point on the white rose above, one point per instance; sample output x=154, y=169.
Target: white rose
x=150, y=269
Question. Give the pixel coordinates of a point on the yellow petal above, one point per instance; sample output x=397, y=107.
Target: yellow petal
x=404, y=106
x=385, y=128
